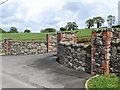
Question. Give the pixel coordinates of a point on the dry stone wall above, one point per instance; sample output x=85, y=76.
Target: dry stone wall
x=68, y=37
x=23, y=47
x=115, y=52
x=71, y=54
x=103, y=56
x=2, y=47
x=75, y=56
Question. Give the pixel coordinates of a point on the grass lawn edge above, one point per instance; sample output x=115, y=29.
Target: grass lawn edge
x=86, y=83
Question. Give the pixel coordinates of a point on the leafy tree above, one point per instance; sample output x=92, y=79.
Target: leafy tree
x=71, y=26
x=89, y=23
x=48, y=30
x=13, y=30
x=2, y=31
x=27, y=31
x=99, y=21
x=63, y=29
x=110, y=20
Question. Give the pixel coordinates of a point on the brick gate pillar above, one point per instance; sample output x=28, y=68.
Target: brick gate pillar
x=59, y=38
x=7, y=46
x=107, y=52
x=92, y=52
x=48, y=43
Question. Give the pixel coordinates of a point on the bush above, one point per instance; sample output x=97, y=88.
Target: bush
x=13, y=30
x=63, y=29
x=48, y=30
x=27, y=31
x=117, y=26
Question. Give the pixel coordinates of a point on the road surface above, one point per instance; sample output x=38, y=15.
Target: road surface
x=40, y=71
x=11, y=82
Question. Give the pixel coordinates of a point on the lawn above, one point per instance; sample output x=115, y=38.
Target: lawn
x=105, y=81
x=80, y=32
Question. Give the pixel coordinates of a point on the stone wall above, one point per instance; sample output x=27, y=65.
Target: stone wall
x=68, y=37
x=103, y=56
x=106, y=51
x=71, y=54
x=75, y=56
x=26, y=47
x=2, y=47
x=115, y=52
x=18, y=47
x=23, y=47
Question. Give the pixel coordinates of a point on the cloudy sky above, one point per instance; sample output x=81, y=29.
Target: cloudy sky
x=40, y=14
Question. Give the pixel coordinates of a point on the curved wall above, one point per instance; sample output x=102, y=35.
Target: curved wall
x=75, y=56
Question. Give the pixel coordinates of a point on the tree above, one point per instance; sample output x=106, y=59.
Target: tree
x=71, y=26
x=89, y=23
x=99, y=21
x=110, y=20
x=63, y=29
x=27, y=31
x=2, y=31
x=48, y=30
x=13, y=30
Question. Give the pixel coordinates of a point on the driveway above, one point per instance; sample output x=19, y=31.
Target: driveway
x=43, y=71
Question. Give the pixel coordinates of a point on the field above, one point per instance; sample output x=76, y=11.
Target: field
x=23, y=36
x=80, y=32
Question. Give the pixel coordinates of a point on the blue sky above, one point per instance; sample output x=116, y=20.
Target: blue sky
x=40, y=14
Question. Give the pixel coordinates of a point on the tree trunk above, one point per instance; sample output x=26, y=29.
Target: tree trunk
x=88, y=26
x=97, y=25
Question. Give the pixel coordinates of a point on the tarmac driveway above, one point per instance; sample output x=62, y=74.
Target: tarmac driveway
x=43, y=71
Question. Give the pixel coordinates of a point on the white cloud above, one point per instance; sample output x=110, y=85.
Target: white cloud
x=39, y=14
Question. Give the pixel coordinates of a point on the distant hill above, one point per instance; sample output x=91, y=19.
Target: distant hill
x=2, y=31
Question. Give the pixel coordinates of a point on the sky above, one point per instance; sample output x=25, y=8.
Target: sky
x=119, y=13
x=40, y=14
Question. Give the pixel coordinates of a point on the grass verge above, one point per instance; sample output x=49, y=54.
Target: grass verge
x=105, y=81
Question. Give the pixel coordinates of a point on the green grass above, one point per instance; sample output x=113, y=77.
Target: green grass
x=23, y=35
x=84, y=32
x=2, y=52
x=105, y=81
x=81, y=32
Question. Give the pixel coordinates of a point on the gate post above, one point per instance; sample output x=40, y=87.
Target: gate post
x=48, y=42
x=92, y=52
x=6, y=46
x=107, y=53
x=59, y=38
